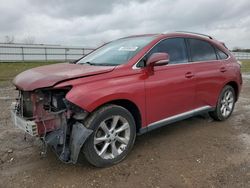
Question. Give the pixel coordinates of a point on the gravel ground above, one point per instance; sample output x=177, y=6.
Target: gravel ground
x=196, y=152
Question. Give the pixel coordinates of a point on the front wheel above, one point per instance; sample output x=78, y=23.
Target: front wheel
x=225, y=104
x=113, y=136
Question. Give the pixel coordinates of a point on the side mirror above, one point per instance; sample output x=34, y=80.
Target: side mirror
x=158, y=59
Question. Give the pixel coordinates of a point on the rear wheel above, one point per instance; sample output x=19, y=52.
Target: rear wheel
x=225, y=104
x=113, y=136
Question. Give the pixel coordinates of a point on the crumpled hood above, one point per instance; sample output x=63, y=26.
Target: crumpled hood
x=49, y=75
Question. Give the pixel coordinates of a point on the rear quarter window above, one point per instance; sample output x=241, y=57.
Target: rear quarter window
x=201, y=50
x=221, y=54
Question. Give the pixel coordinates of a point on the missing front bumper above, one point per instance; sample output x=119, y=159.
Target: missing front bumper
x=66, y=141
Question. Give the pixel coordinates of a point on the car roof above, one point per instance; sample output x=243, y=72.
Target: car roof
x=174, y=34
x=183, y=34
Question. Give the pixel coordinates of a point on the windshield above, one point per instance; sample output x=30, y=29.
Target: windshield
x=116, y=52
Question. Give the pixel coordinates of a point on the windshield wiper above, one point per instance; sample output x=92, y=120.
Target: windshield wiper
x=89, y=63
x=106, y=64
x=99, y=64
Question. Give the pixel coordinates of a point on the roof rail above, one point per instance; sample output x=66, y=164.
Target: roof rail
x=195, y=33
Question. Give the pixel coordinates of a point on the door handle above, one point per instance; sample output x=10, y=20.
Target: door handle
x=189, y=75
x=223, y=69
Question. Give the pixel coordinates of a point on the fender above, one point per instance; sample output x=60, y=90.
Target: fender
x=92, y=95
x=89, y=103
x=234, y=84
x=235, y=80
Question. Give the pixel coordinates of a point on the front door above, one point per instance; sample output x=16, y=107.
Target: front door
x=170, y=90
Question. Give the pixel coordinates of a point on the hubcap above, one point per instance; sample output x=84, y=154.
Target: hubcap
x=227, y=103
x=112, y=137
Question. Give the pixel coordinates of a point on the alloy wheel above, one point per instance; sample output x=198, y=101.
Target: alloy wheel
x=112, y=137
x=227, y=103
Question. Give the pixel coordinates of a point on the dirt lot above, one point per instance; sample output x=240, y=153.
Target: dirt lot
x=197, y=152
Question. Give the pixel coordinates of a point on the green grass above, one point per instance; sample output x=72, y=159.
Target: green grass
x=245, y=67
x=9, y=70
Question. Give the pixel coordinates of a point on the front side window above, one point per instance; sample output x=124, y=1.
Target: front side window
x=201, y=50
x=117, y=52
x=175, y=47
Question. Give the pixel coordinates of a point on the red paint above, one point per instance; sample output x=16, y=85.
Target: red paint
x=49, y=75
x=167, y=91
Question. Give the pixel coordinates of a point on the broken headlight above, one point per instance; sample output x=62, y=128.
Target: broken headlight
x=57, y=102
x=53, y=99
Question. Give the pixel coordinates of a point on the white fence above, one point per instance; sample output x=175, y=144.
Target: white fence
x=40, y=52
x=241, y=55
x=22, y=52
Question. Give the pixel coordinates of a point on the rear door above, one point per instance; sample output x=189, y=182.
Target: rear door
x=170, y=90
x=208, y=70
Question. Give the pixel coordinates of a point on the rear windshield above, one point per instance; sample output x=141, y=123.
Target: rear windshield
x=117, y=52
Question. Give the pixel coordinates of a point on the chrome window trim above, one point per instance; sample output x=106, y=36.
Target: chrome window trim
x=134, y=67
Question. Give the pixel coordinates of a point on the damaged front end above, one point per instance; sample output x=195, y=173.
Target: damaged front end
x=59, y=123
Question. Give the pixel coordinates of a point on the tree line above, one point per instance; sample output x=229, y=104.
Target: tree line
x=10, y=39
x=237, y=49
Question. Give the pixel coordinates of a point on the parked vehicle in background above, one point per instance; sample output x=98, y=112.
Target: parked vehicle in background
x=125, y=88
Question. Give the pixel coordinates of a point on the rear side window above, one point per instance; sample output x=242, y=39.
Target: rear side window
x=201, y=50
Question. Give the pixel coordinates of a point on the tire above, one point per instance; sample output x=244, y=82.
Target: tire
x=114, y=133
x=225, y=104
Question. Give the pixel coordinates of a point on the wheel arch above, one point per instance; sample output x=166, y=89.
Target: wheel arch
x=131, y=107
x=235, y=86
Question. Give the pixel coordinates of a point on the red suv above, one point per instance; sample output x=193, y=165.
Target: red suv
x=124, y=88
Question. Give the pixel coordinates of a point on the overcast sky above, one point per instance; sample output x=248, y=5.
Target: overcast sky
x=90, y=23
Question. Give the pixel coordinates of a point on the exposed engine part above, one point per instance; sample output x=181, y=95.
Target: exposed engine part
x=54, y=99
x=80, y=116
x=59, y=122
x=27, y=104
x=57, y=101
x=78, y=113
x=24, y=105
